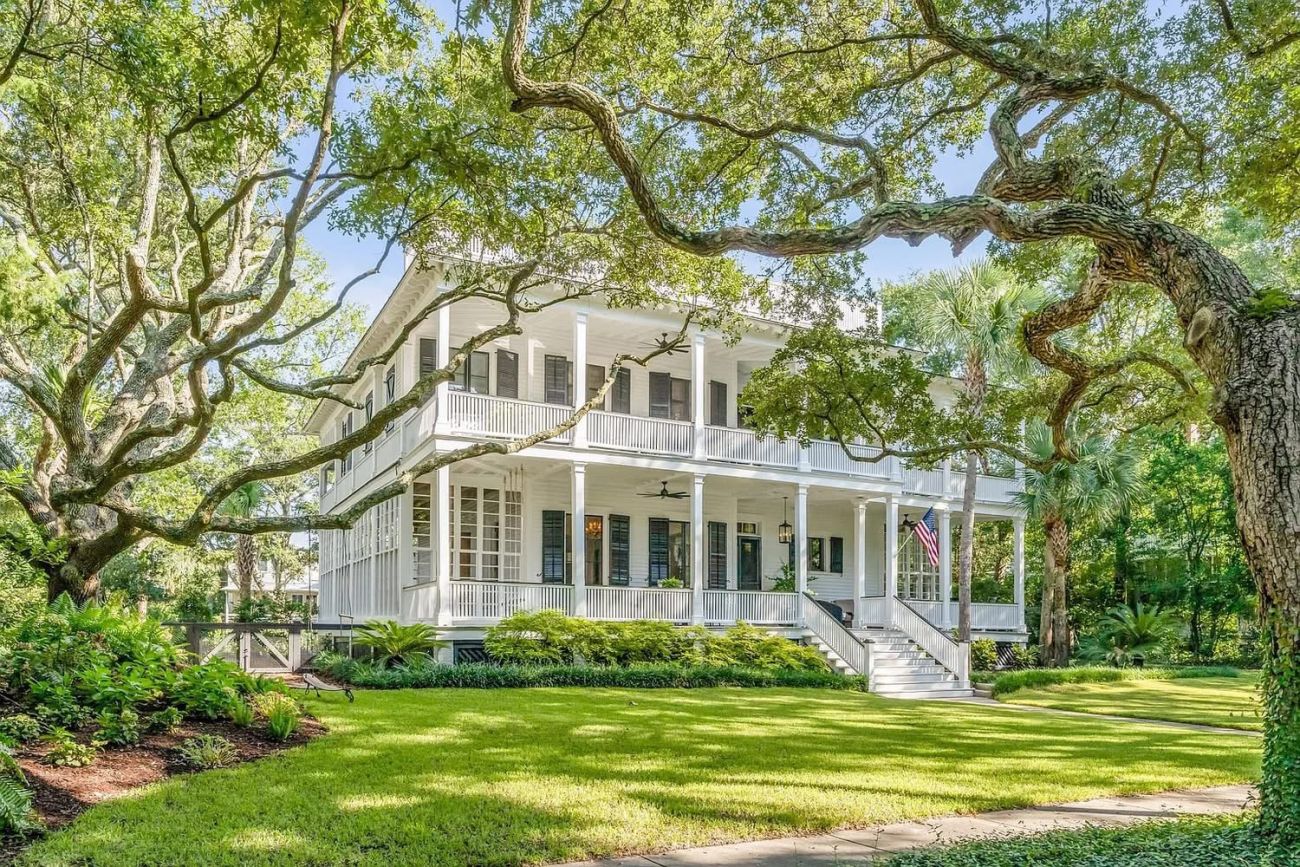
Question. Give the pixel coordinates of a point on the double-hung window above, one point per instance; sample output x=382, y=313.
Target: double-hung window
x=473, y=376
x=669, y=552
x=620, y=395
x=557, y=374
x=595, y=379
x=345, y=431
x=670, y=397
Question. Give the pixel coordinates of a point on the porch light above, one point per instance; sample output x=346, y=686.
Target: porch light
x=784, y=532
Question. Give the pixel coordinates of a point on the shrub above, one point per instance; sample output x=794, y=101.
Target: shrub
x=749, y=647
x=209, y=690
x=120, y=729
x=533, y=638
x=490, y=676
x=20, y=727
x=206, y=752
x=166, y=720
x=1041, y=677
x=1022, y=656
x=282, y=714
x=65, y=752
x=15, y=797
x=394, y=643
x=241, y=713
x=984, y=654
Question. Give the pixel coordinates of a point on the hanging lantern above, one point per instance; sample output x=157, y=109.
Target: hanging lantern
x=784, y=532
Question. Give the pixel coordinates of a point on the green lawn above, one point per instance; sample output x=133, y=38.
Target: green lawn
x=1231, y=702
x=499, y=777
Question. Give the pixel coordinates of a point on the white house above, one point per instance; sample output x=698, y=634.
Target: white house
x=662, y=505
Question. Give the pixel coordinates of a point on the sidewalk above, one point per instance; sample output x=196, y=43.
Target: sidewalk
x=852, y=847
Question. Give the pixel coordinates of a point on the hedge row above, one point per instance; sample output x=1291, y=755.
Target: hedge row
x=1200, y=842
x=486, y=676
x=1034, y=678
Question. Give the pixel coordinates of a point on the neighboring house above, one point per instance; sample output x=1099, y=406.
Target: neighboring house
x=664, y=486
x=300, y=589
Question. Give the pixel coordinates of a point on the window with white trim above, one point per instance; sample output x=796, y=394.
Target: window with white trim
x=487, y=533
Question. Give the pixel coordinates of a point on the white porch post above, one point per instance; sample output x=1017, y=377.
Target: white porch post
x=945, y=569
x=891, y=548
x=579, y=539
x=947, y=477
x=442, y=547
x=859, y=562
x=1018, y=568
x=697, y=549
x=698, y=393
x=444, y=358
x=801, y=539
x=580, y=378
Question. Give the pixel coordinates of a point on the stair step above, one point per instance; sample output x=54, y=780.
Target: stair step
x=928, y=694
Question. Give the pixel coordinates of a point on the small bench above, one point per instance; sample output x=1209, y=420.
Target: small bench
x=312, y=682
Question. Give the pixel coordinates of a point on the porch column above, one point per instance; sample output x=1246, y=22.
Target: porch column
x=442, y=548
x=891, y=548
x=859, y=562
x=1018, y=568
x=699, y=386
x=579, y=542
x=697, y=549
x=443, y=415
x=580, y=378
x=946, y=469
x=945, y=569
x=801, y=539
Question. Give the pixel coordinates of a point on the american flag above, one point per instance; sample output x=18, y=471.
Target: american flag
x=928, y=536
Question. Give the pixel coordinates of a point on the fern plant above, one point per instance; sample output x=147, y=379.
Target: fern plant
x=15, y=797
x=398, y=644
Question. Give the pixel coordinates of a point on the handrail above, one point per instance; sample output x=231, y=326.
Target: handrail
x=952, y=655
x=845, y=644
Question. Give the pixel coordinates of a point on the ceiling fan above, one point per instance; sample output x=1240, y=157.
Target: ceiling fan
x=669, y=345
x=665, y=494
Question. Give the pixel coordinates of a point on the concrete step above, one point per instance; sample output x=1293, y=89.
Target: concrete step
x=926, y=694
x=903, y=674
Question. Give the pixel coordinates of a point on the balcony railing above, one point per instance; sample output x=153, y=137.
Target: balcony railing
x=493, y=600
x=484, y=415
x=984, y=616
x=659, y=436
x=741, y=446
x=752, y=606
x=639, y=603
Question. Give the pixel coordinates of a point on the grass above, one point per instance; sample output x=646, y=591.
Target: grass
x=1231, y=702
x=504, y=777
x=1007, y=682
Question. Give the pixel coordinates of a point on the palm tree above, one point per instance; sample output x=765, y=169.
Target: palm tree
x=1126, y=634
x=1096, y=485
x=243, y=503
x=973, y=314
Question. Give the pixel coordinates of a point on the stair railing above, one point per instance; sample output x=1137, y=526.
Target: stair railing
x=838, y=638
x=952, y=655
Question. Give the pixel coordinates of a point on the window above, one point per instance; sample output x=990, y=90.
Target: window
x=390, y=393
x=558, y=380
x=669, y=551
x=594, y=533
x=746, y=528
x=621, y=393
x=428, y=356
x=816, y=554
x=487, y=533
x=718, y=404
x=555, y=547
x=473, y=376
x=837, y=554
x=507, y=373
x=345, y=431
x=717, y=555
x=370, y=413
x=422, y=531
x=620, y=549
x=595, y=379
x=326, y=479
x=670, y=397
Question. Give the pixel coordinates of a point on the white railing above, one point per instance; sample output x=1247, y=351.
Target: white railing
x=639, y=603
x=874, y=611
x=996, y=489
x=419, y=603
x=490, y=416
x=751, y=606
x=633, y=433
x=492, y=600
x=743, y=447
x=952, y=655
x=993, y=615
x=830, y=457
x=923, y=481
x=846, y=646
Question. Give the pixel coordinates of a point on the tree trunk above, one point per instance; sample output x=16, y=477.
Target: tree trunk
x=1056, y=652
x=967, y=559
x=245, y=565
x=1045, y=629
x=1122, y=566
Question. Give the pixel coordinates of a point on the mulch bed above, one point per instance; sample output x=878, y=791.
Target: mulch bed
x=60, y=794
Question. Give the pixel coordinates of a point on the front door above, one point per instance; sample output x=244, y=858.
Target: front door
x=750, y=555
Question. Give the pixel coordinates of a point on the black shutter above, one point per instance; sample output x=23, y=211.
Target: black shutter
x=595, y=379
x=658, y=551
x=620, y=549
x=661, y=395
x=717, y=555
x=428, y=356
x=507, y=374
x=557, y=376
x=622, y=392
x=718, y=404
x=837, y=554
x=553, y=540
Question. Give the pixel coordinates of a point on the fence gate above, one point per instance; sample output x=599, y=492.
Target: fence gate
x=258, y=648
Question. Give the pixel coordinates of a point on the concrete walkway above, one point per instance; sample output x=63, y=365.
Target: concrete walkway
x=851, y=847
x=1185, y=726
